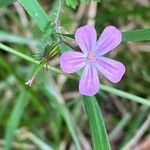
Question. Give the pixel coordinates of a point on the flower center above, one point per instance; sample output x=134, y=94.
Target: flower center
x=91, y=57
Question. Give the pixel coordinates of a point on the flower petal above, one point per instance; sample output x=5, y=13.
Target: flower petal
x=71, y=61
x=111, y=69
x=89, y=82
x=86, y=38
x=110, y=38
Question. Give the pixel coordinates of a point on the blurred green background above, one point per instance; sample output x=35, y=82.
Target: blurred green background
x=49, y=113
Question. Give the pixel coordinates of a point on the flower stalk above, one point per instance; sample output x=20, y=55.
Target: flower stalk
x=37, y=69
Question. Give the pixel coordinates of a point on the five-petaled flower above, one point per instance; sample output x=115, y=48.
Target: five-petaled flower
x=91, y=58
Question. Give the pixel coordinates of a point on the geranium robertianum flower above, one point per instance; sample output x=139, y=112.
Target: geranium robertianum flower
x=91, y=58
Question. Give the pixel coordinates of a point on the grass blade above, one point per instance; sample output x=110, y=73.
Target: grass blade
x=136, y=35
x=122, y=13
x=99, y=135
x=55, y=12
x=72, y=3
x=37, y=13
x=15, y=118
x=4, y=3
x=133, y=35
x=12, y=38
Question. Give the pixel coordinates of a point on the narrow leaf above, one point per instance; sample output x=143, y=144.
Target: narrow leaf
x=54, y=13
x=15, y=118
x=99, y=135
x=133, y=35
x=12, y=38
x=4, y=3
x=72, y=3
x=136, y=35
x=37, y=13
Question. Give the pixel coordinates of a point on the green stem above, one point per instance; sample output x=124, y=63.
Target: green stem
x=39, y=67
x=12, y=51
x=103, y=87
x=25, y=57
x=126, y=95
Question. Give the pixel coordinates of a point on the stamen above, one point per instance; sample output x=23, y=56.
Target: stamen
x=91, y=56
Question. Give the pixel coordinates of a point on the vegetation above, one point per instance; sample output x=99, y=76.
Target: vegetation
x=52, y=114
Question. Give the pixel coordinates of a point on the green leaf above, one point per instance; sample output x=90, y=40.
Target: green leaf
x=133, y=35
x=97, y=0
x=72, y=3
x=44, y=23
x=54, y=13
x=100, y=139
x=15, y=118
x=122, y=12
x=136, y=35
x=4, y=3
x=85, y=1
x=37, y=13
x=12, y=38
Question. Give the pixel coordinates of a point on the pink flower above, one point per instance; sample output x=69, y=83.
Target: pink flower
x=91, y=58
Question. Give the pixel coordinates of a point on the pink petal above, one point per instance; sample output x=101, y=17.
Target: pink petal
x=110, y=38
x=89, y=82
x=72, y=61
x=111, y=69
x=30, y=81
x=86, y=38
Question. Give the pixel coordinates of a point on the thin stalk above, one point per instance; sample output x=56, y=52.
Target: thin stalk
x=126, y=95
x=28, y=58
x=103, y=87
